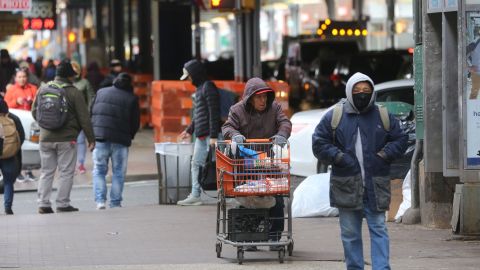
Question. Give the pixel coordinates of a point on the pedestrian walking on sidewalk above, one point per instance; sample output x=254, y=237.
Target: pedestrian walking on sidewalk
x=87, y=92
x=258, y=116
x=20, y=96
x=116, y=68
x=360, y=142
x=58, y=149
x=116, y=120
x=205, y=124
x=10, y=165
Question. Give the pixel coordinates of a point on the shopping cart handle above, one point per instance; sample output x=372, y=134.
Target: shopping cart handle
x=252, y=141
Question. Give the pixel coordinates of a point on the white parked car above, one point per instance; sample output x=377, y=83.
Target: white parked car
x=30, y=147
x=397, y=96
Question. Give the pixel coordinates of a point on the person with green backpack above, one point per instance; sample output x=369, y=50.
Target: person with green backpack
x=360, y=142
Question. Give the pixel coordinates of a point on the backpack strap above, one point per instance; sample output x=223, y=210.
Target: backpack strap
x=384, y=116
x=337, y=116
x=54, y=84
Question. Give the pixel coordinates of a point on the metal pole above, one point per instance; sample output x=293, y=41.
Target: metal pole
x=196, y=33
x=391, y=22
x=257, y=63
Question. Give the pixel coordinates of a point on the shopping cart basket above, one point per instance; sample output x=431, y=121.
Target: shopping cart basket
x=255, y=168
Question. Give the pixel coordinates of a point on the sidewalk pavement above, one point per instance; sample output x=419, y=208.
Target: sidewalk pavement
x=142, y=164
x=176, y=237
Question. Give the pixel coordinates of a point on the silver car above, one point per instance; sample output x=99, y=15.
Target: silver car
x=30, y=147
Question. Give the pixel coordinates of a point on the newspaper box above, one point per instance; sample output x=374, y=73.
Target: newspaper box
x=173, y=164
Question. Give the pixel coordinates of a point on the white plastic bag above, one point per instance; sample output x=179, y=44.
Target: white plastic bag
x=256, y=201
x=311, y=198
x=407, y=196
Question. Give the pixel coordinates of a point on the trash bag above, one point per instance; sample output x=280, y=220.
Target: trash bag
x=311, y=198
x=407, y=196
x=255, y=202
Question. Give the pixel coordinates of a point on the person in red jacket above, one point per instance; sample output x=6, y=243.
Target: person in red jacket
x=21, y=94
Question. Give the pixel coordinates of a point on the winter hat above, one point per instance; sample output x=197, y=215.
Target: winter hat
x=193, y=68
x=115, y=62
x=65, y=69
x=257, y=86
x=4, y=53
x=3, y=106
x=123, y=81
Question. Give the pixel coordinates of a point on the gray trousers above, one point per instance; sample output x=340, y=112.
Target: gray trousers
x=61, y=155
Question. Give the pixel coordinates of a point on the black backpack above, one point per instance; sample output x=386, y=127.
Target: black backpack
x=52, y=106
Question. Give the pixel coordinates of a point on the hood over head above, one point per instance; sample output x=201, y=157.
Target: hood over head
x=123, y=81
x=257, y=86
x=352, y=81
x=196, y=70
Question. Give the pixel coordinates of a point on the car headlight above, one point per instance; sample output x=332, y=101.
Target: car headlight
x=34, y=132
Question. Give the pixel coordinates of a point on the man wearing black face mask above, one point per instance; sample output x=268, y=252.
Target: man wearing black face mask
x=360, y=148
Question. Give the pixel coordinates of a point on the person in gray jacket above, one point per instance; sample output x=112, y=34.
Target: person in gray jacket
x=360, y=150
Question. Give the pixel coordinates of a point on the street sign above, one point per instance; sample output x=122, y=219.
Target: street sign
x=42, y=16
x=15, y=5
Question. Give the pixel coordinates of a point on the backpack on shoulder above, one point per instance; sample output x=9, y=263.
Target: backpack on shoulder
x=52, y=106
x=10, y=139
x=338, y=112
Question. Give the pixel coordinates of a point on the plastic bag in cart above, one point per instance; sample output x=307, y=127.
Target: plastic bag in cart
x=311, y=198
x=255, y=202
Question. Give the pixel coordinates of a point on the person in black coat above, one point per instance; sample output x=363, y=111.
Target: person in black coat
x=205, y=123
x=11, y=166
x=116, y=120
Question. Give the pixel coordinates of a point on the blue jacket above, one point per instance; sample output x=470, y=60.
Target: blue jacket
x=349, y=188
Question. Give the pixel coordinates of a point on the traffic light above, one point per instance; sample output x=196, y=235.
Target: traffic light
x=329, y=28
x=222, y=4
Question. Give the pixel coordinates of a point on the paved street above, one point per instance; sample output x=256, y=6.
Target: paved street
x=144, y=235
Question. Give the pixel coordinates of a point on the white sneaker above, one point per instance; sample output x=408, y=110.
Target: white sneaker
x=190, y=200
x=101, y=206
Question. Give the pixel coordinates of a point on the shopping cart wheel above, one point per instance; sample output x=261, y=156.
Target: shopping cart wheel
x=218, y=249
x=290, y=248
x=240, y=255
x=281, y=254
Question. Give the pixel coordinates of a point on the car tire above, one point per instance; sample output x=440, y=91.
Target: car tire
x=322, y=167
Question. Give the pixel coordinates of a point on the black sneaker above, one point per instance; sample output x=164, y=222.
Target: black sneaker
x=21, y=178
x=30, y=177
x=45, y=210
x=67, y=209
x=8, y=211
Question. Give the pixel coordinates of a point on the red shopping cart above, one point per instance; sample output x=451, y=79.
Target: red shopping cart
x=258, y=170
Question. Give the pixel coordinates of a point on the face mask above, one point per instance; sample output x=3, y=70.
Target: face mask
x=361, y=100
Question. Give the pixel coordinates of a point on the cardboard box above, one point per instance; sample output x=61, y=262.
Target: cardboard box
x=396, y=200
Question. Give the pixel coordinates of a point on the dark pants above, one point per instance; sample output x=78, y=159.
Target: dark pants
x=10, y=173
x=277, y=218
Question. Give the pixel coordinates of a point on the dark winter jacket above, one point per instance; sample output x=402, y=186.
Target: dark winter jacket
x=206, y=116
x=115, y=115
x=245, y=120
x=108, y=80
x=348, y=189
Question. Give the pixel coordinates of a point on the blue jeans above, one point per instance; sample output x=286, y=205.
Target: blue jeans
x=200, y=152
x=9, y=170
x=119, y=155
x=81, y=148
x=351, y=233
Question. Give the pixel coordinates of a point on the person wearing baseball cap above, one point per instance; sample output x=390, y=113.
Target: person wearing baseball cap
x=205, y=124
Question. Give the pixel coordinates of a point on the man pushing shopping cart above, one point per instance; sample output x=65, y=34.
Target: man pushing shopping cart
x=254, y=161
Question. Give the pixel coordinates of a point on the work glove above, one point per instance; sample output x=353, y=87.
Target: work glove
x=238, y=139
x=279, y=140
x=344, y=160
